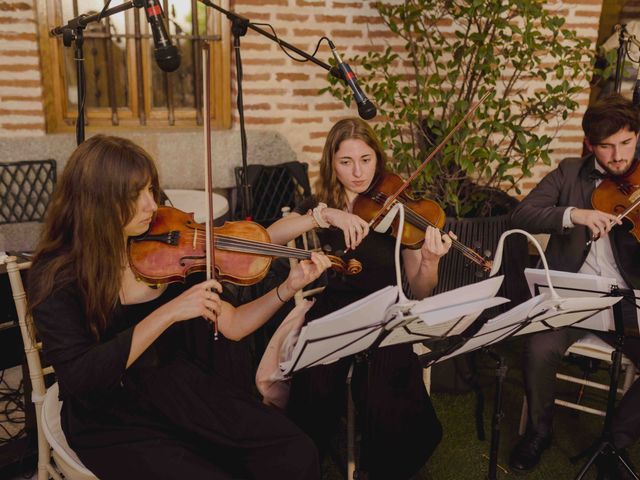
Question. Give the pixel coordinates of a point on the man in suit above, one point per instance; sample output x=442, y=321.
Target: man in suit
x=561, y=206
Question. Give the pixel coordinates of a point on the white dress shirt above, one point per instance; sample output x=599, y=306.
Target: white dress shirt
x=600, y=260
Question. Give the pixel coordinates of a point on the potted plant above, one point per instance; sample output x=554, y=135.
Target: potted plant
x=445, y=56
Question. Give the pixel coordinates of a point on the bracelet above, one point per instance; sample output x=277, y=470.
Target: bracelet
x=315, y=222
x=278, y=295
x=317, y=215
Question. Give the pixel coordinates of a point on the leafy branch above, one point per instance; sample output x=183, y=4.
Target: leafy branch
x=452, y=52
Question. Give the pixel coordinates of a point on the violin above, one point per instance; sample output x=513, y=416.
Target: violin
x=620, y=195
x=419, y=214
x=175, y=246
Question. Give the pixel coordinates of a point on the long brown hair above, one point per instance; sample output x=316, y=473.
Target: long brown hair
x=82, y=242
x=328, y=187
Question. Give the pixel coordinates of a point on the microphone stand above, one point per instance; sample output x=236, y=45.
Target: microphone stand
x=74, y=31
x=621, y=54
x=239, y=27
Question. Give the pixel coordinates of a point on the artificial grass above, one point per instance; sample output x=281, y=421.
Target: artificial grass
x=462, y=456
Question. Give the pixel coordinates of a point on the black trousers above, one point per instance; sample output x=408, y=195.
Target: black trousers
x=542, y=357
x=176, y=422
x=399, y=425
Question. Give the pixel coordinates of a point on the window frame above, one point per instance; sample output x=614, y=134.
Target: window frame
x=59, y=118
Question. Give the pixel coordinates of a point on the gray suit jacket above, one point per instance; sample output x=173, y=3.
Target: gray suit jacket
x=571, y=185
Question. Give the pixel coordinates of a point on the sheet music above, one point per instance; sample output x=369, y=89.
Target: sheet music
x=448, y=313
x=341, y=333
x=564, y=282
x=447, y=321
x=515, y=321
x=469, y=293
x=357, y=326
x=497, y=328
x=575, y=312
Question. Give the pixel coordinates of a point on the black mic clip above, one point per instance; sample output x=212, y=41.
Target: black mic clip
x=68, y=31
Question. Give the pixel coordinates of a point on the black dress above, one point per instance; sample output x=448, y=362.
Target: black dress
x=164, y=417
x=389, y=387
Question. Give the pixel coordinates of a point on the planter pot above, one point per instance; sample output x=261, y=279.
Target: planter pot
x=458, y=374
x=482, y=234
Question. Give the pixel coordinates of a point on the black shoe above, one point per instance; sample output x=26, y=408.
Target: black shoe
x=526, y=454
x=617, y=471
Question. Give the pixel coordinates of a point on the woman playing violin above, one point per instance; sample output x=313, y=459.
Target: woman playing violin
x=135, y=405
x=398, y=406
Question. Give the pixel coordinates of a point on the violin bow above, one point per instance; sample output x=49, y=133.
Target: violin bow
x=208, y=169
x=635, y=204
x=629, y=209
x=389, y=203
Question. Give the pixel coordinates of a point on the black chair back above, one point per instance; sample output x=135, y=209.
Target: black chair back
x=26, y=188
x=272, y=187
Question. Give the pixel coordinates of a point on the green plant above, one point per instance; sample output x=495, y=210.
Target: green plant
x=445, y=56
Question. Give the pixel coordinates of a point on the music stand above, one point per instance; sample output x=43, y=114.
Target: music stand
x=543, y=311
x=611, y=320
x=388, y=317
x=381, y=320
x=605, y=447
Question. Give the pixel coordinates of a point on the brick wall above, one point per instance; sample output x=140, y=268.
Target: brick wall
x=279, y=94
x=282, y=94
x=21, y=110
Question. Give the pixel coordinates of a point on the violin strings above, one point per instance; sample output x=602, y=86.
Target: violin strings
x=242, y=245
x=251, y=246
x=255, y=247
x=421, y=222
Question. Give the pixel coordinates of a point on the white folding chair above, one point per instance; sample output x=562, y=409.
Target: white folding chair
x=51, y=439
x=594, y=347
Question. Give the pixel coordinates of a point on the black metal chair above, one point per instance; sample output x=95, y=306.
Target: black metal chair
x=25, y=190
x=483, y=234
x=272, y=187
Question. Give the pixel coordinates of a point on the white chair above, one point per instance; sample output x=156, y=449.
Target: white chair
x=300, y=294
x=51, y=440
x=594, y=347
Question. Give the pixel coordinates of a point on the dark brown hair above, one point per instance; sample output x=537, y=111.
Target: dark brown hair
x=329, y=189
x=608, y=116
x=82, y=242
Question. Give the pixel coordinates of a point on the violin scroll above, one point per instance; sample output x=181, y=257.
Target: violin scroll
x=350, y=267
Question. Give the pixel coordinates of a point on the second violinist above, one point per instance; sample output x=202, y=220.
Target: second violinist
x=399, y=408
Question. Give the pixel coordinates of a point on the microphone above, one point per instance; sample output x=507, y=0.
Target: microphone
x=366, y=109
x=167, y=54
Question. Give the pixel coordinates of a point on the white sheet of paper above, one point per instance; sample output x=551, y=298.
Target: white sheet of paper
x=356, y=327
x=449, y=321
x=509, y=323
x=497, y=328
x=469, y=293
x=344, y=332
x=577, y=310
x=563, y=281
